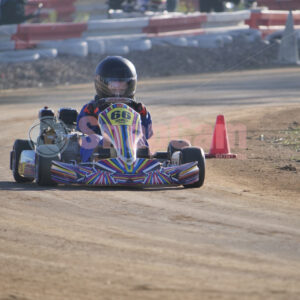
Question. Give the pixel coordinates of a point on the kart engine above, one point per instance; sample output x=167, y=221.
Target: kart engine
x=58, y=131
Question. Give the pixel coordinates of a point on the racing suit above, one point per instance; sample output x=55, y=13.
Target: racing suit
x=87, y=123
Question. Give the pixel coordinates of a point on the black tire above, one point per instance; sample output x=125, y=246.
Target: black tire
x=171, y=149
x=191, y=154
x=18, y=147
x=42, y=170
x=180, y=144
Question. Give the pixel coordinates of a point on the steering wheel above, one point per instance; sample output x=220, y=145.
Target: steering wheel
x=103, y=103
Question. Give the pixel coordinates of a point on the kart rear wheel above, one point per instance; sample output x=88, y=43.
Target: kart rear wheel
x=42, y=170
x=191, y=154
x=18, y=147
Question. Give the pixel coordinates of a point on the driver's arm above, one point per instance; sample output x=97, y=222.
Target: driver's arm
x=145, y=118
x=87, y=120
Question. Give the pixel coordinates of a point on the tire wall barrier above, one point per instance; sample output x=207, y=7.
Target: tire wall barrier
x=6, y=33
x=115, y=27
x=29, y=35
x=26, y=36
x=270, y=21
x=161, y=24
x=138, y=34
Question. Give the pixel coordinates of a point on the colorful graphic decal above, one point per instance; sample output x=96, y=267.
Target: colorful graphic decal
x=143, y=172
x=123, y=127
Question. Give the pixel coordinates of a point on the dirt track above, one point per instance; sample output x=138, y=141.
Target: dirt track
x=228, y=240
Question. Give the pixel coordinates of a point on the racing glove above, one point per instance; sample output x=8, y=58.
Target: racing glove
x=140, y=108
x=94, y=107
x=89, y=109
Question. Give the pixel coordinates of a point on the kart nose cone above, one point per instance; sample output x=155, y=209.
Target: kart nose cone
x=129, y=160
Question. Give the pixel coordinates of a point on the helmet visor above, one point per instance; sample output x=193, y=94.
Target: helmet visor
x=116, y=87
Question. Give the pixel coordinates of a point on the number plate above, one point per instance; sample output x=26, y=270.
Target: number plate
x=119, y=116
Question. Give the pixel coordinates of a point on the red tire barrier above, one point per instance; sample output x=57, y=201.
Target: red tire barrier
x=271, y=18
x=268, y=21
x=159, y=25
x=28, y=35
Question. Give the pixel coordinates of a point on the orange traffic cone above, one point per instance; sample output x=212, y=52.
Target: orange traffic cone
x=220, y=145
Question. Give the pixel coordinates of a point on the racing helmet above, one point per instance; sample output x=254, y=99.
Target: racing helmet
x=115, y=76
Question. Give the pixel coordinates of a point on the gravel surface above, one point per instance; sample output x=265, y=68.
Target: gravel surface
x=162, y=60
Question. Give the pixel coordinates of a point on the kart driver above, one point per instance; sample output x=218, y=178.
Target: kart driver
x=115, y=77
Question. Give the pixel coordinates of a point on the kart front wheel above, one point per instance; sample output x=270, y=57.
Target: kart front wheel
x=42, y=170
x=177, y=145
x=190, y=154
x=19, y=146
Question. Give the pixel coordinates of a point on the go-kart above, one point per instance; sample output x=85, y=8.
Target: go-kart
x=120, y=157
